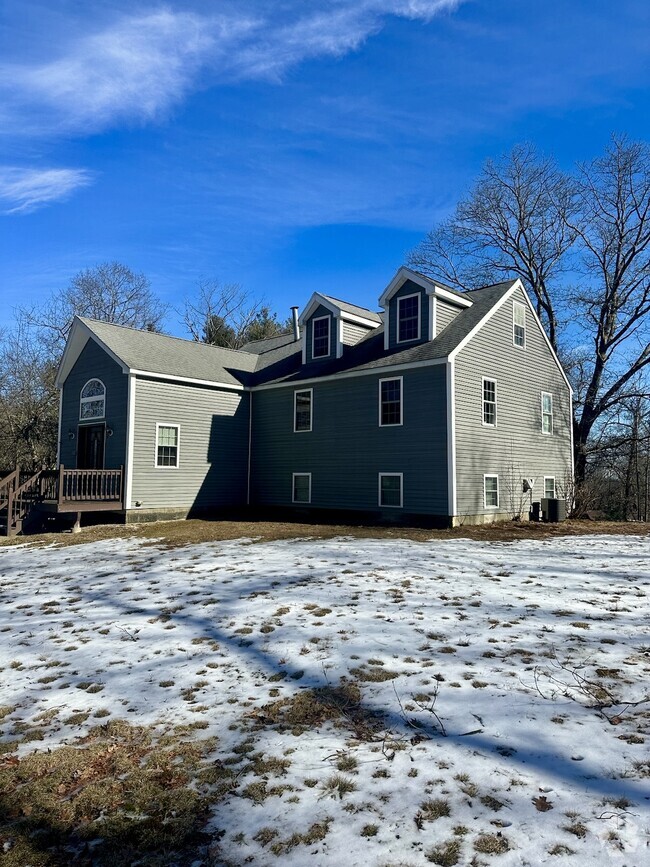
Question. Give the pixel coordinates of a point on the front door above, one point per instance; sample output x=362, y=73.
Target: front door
x=90, y=449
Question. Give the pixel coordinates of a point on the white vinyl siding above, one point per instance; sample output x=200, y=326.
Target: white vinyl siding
x=390, y=402
x=547, y=413
x=302, y=410
x=390, y=490
x=301, y=488
x=519, y=324
x=489, y=402
x=491, y=492
x=168, y=445
x=408, y=318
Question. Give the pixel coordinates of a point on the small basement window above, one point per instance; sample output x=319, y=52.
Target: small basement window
x=390, y=490
x=390, y=402
x=519, y=324
x=547, y=413
x=301, y=488
x=302, y=408
x=489, y=402
x=320, y=338
x=549, y=487
x=408, y=318
x=491, y=492
x=92, y=403
x=167, y=445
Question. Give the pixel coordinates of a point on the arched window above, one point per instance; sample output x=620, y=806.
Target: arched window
x=93, y=400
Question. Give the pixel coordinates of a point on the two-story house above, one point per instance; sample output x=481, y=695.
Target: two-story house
x=449, y=407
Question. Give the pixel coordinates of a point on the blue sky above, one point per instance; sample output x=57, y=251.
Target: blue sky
x=289, y=146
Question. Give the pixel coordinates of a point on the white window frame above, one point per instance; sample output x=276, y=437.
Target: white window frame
x=329, y=336
x=400, y=476
x=546, y=479
x=158, y=466
x=400, y=299
x=549, y=414
x=401, y=402
x=85, y=400
x=485, y=379
x=293, y=489
x=517, y=305
x=295, y=409
x=487, y=476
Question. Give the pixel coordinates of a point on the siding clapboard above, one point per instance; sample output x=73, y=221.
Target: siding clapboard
x=346, y=448
x=445, y=313
x=213, y=465
x=516, y=448
x=353, y=333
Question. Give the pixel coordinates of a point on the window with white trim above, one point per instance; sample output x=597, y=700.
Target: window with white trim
x=489, y=402
x=167, y=445
x=491, y=492
x=301, y=488
x=92, y=400
x=408, y=318
x=390, y=490
x=302, y=409
x=320, y=337
x=549, y=487
x=518, y=324
x=547, y=413
x=390, y=402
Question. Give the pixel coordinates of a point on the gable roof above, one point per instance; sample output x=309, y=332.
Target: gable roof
x=339, y=308
x=430, y=284
x=158, y=354
x=355, y=310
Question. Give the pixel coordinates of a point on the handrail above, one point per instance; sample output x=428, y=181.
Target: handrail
x=8, y=486
x=101, y=486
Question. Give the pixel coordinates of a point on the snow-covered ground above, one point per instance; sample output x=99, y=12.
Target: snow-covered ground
x=474, y=734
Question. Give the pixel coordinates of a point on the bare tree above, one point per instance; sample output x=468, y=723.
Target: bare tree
x=514, y=222
x=225, y=314
x=524, y=217
x=110, y=292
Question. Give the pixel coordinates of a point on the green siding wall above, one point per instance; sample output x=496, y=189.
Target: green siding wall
x=93, y=362
x=346, y=448
x=213, y=465
x=515, y=448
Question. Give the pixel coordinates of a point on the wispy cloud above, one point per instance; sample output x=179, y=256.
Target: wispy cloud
x=25, y=189
x=142, y=64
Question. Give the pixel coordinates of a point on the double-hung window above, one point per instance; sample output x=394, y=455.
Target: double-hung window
x=390, y=490
x=549, y=487
x=302, y=409
x=167, y=445
x=547, y=413
x=408, y=318
x=92, y=402
x=390, y=402
x=491, y=492
x=489, y=402
x=320, y=339
x=301, y=488
x=518, y=324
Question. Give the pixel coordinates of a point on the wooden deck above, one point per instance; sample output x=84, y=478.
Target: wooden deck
x=63, y=490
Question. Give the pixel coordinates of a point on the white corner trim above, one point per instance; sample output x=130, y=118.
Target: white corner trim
x=339, y=336
x=130, y=442
x=433, y=317
x=250, y=447
x=451, y=439
x=58, y=442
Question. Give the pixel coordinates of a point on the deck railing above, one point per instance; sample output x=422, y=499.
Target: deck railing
x=89, y=486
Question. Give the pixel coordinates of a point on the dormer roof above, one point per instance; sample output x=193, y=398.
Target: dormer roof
x=431, y=286
x=340, y=309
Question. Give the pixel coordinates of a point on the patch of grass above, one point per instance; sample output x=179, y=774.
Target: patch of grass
x=260, y=790
x=265, y=835
x=311, y=708
x=561, y=849
x=6, y=709
x=347, y=763
x=445, y=854
x=434, y=808
x=337, y=786
x=491, y=844
x=374, y=675
x=314, y=834
x=578, y=829
x=134, y=799
x=369, y=830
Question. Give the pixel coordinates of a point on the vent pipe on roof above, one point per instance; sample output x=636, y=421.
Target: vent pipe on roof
x=296, y=327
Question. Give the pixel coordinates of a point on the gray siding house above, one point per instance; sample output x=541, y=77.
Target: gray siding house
x=447, y=406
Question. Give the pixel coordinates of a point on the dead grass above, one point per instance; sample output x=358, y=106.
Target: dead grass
x=136, y=799
x=193, y=531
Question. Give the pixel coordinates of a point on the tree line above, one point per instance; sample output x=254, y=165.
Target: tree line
x=223, y=314
x=579, y=240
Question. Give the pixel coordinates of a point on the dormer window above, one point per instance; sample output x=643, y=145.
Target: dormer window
x=320, y=347
x=408, y=318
